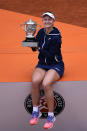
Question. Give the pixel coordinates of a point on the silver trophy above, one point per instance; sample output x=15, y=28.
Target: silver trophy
x=30, y=27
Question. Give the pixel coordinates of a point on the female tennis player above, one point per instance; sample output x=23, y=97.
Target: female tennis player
x=50, y=68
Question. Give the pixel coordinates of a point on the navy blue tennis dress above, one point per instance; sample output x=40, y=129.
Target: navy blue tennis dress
x=50, y=56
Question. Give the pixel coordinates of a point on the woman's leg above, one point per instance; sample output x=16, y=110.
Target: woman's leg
x=51, y=76
x=37, y=78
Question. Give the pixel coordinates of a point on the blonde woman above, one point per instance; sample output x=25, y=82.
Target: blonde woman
x=50, y=68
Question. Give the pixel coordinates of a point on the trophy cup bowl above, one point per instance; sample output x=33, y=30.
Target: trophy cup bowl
x=30, y=28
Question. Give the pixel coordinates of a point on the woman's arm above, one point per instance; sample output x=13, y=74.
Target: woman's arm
x=37, y=40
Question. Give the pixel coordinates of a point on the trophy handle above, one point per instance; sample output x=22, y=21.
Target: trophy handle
x=23, y=26
x=39, y=26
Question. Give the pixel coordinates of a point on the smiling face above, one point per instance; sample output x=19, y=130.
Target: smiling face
x=47, y=21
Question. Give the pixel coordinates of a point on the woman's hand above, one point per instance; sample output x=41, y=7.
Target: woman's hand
x=34, y=48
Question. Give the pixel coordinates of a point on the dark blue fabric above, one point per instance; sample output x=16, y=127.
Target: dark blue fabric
x=50, y=56
x=49, y=46
x=59, y=68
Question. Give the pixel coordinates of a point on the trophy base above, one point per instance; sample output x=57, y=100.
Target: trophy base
x=30, y=42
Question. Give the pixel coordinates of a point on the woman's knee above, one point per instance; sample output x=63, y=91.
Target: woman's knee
x=46, y=85
x=36, y=81
x=37, y=76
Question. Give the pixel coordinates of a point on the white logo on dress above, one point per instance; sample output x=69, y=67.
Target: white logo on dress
x=49, y=38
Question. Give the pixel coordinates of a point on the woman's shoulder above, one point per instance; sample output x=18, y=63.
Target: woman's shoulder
x=41, y=30
x=40, y=33
x=56, y=31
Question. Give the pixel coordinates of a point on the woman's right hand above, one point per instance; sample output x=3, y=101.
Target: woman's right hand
x=34, y=48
